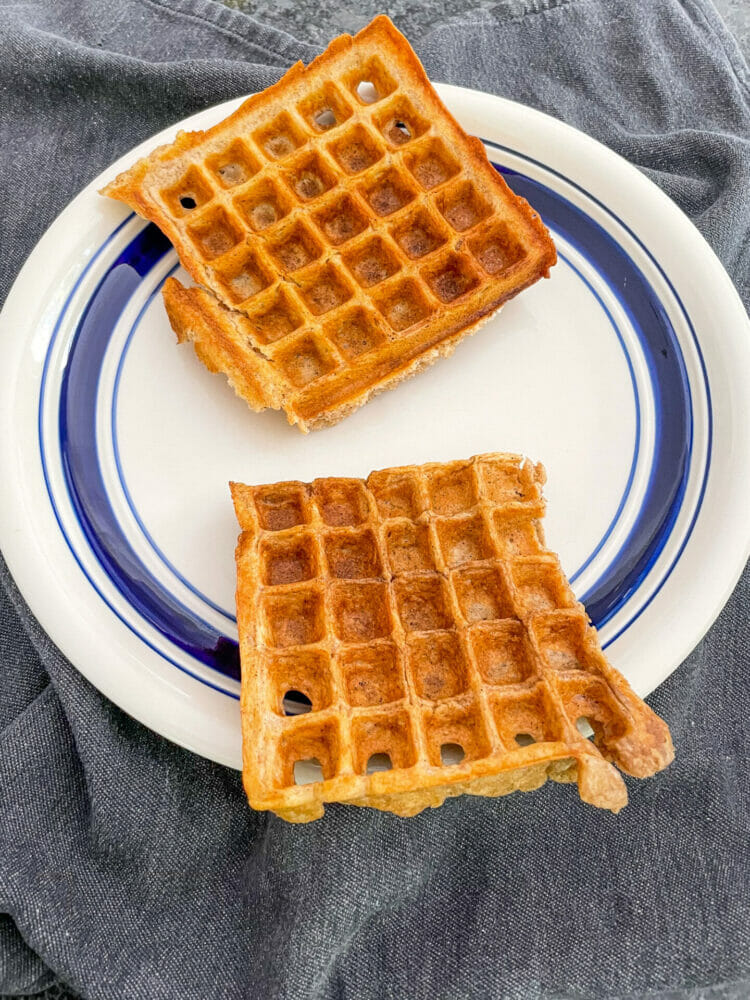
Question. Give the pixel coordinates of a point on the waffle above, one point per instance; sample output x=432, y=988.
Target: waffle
x=348, y=228
x=430, y=631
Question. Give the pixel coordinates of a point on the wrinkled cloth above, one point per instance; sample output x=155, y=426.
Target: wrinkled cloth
x=132, y=869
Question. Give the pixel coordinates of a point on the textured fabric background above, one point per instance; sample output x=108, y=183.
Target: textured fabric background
x=132, y=869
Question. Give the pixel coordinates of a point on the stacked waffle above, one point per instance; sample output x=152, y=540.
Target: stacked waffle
x=345, y=230
x=423, y=622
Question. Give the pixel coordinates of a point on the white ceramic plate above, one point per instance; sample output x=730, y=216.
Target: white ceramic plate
x=627, y=374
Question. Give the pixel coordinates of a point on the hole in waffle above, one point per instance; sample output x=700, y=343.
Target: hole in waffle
x=464, y=540
x=288, y=560
x=495, y=248
x=371, y=675
x=296, y=703
x=367, y=92
x=540, y=585
x=452, y=277
x=451, y=489
x=403, y=304
x=341, y=219
x=462, y=205
x=280, y=138
x=516, y=535
x=396, y=495
x=399, y=121
x=360, y=611
x=276, y=318
x=408, y=547
x=215, y=234
x=502, y=652
x=308, y=772
x=503, y=482
x=590, y=701
x=379, y=762
x=482, y=594
x=233, y=166
x=451, y=754
x=324, y=119
x=352, y=555
x=355, y=332
x=423, y=603
x=324, y=289
x=584, y=727
x=437, y=665
x=324, y=109
x=383, y=733
x=562, y=640
x=431, y=163
x=243, y=275
x=459, y=723
x=310, y=176
x=190, y=192
x=356, y=150
x=529, y=715
x=294, y=618
x=388, y=192
x=372, y=261
x=280, y=506
x=304, y=741
x=263, y=204
x=341, y=503
x=300, y=681
x=294, y=247
x=304, y=361
x=418, y=234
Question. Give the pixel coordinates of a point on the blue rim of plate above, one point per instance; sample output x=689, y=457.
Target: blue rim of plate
x=87, y=495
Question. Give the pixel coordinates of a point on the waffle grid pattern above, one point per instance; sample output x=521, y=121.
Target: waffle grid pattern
x=418, y=612
x=321, y=257
x=339, y=212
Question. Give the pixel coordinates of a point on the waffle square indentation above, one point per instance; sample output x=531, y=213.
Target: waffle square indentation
x=281, y=506
x=294, y=617
x=372, y=675
x=360, y=612
x=356, y=149
x=352, y=554
x=409, y=548
x=437, y=665
x=235, y=165
x=423, y=603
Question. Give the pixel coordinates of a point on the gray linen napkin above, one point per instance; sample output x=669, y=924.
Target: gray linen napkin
x=132, y=869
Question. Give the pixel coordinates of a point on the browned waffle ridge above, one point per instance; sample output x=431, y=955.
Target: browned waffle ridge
x=345, y=237
x=420, y=611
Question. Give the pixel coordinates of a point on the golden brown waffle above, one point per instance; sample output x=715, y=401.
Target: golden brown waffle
x=350, y=230
x=422, y=616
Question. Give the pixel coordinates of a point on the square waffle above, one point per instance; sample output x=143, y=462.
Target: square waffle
x=430, y=632
x=346, y=230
